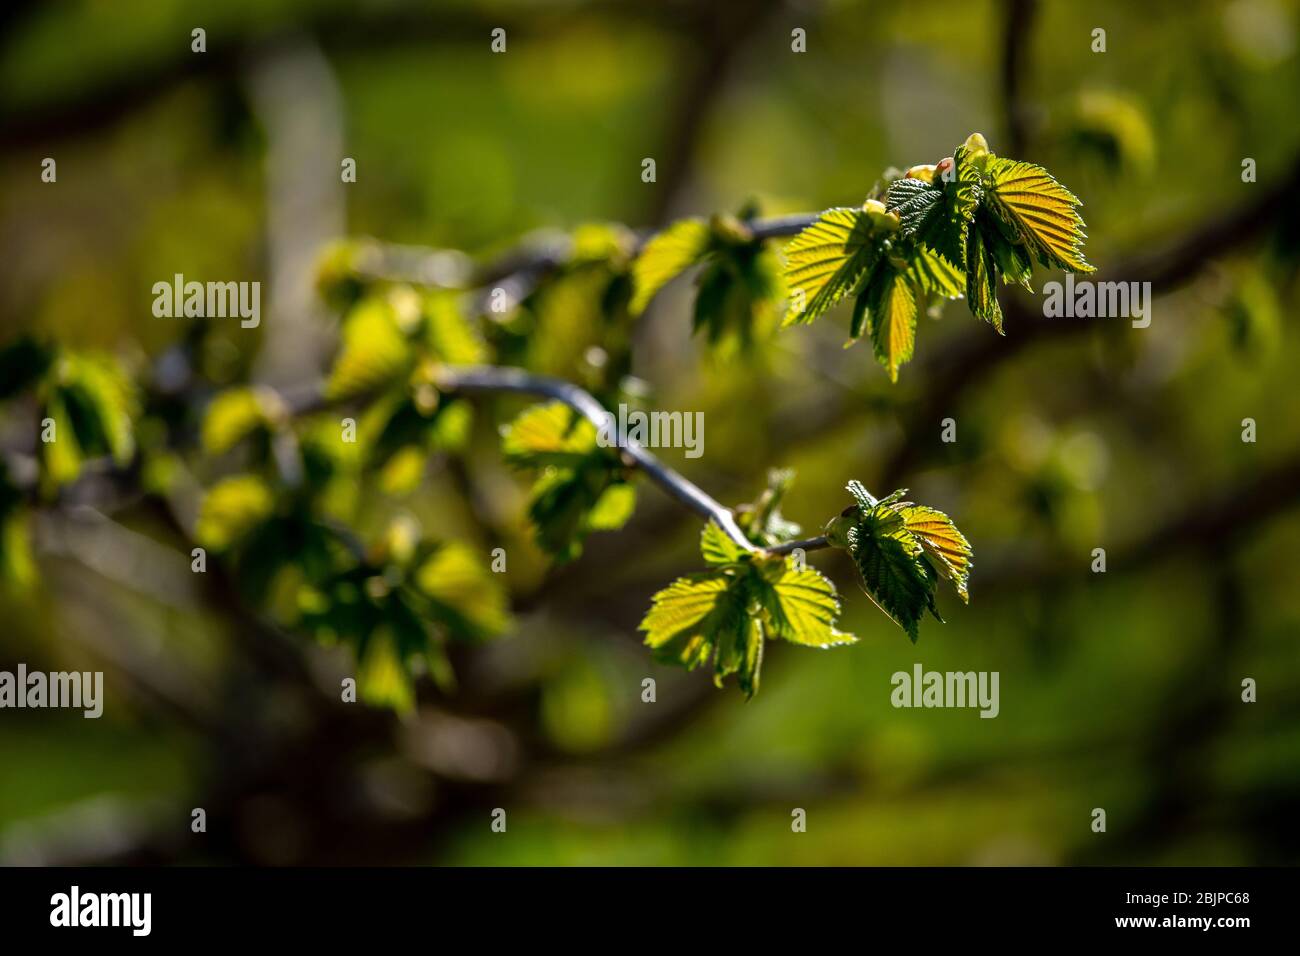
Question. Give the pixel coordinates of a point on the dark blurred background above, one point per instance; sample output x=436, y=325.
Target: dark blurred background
x=1118, y=690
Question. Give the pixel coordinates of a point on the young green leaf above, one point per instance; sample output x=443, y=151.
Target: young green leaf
x=581, y=487
x=92, y=402
x=231, y=509
x=235, y=414
x=894, y=571
x=450, y=336
x=688, y=618
x=738, y=293
x=981, y=280
x=717, y=547
x=865, y=499
x=1043, y=213
x=728, y=611
x=893, y=322
x=932, y=274
x=930, y=217
x=825, y=261
x=17, y=566
x=383, y=678
x=802, y=606
x=613, y=508
x=549, y=434
x=942, y=541
x=61, y=458
x=374, y=352
x=919, y=205
x=666, y=256
x=891, y=542
x=466, y=593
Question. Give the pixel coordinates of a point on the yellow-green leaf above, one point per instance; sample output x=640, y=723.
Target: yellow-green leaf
x=981, y=279
x=374, y=352
x=666, y=256
x=932, y=273
x=613, y=508
x=458, y=578
x=825, y=261
x=231, y=508
x=17, y=567
x=686, y=617
x=717, y=547
x=382, y=676
x=235, y=414
x=1042, y=213
x=802, y=607
x=893, y=323
x=450, y=335
x=893, y=569
x=62, y=456
x=548, y=434
x=941, y=541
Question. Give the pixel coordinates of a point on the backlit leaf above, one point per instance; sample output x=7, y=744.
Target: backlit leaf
x=460, y=581
x=235, y=414
x=613, y=508
x=231, y=508
x=893, y=323
x=548, y=434
x=382, y=676
x=374, y=352
x=448, y=331
x=689, y=616
x=825, y=261
x=931, y=273
x=717, y=547
x=942, y=542
x=981, y=280
x=666, y=256
x=894, y=572
x=1042, y=212
x=802, y=607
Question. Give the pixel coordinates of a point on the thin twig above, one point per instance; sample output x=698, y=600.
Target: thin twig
x=491, y=378
x=806, y=544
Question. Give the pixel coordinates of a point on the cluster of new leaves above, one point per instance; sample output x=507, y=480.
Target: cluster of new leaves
x=399, y=606
x=739, y=286
x=280, y=519
x=570, y=319
x=84, y=404
x=392, y=343
x=87, y=405
x=901, y=550
x=727, y=612
x=582, y=485
x=292, y=476
x=941, y=232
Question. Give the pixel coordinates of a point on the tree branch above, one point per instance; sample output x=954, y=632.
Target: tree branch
x=490, y=378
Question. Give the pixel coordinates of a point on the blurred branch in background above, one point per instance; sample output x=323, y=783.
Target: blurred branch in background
x=297, y=103
x=1017, y=33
